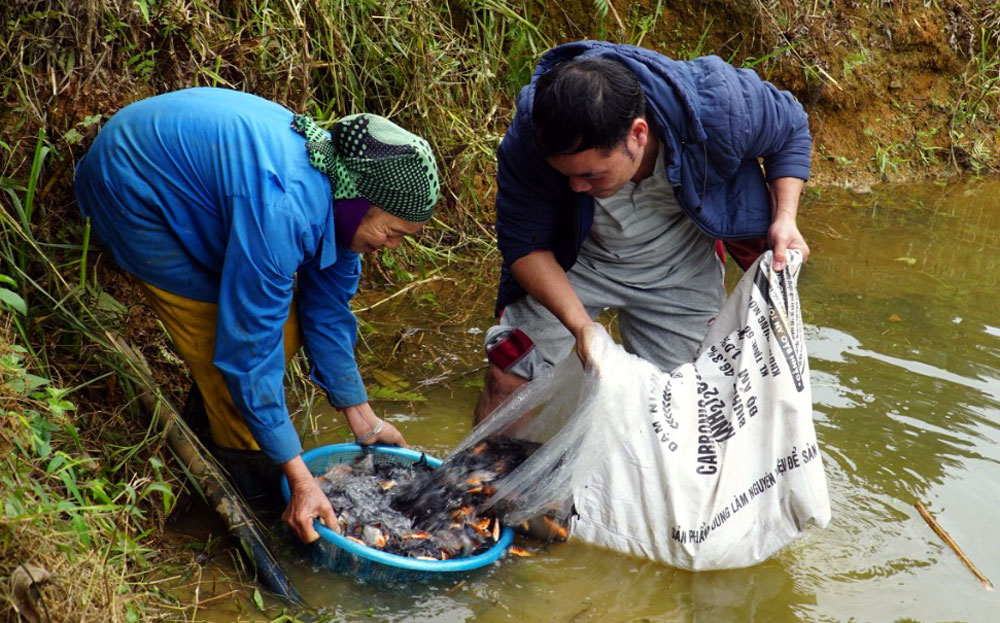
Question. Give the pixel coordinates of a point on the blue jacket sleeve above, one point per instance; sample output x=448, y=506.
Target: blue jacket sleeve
x=530, y=193
x=262, y=253
x=778, y=128
x=329, y=329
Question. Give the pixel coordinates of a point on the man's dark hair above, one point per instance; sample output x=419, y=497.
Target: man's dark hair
x=584, y=104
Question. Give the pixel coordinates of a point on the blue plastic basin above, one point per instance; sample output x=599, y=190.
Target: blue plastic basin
x=339, y=553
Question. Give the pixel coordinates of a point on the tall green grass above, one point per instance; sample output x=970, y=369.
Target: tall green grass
x=446, y=70
x=84, y=491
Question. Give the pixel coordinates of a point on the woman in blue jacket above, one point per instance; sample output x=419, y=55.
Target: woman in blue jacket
x=244, y=224
x=618, y=174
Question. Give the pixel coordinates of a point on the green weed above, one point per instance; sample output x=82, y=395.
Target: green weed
x=976, y=111
x=698, y=49
x=887, y=159
x=83, y=495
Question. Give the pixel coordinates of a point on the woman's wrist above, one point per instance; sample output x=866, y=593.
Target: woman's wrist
x=371, y=434
x=297, y=473
x=361, y=419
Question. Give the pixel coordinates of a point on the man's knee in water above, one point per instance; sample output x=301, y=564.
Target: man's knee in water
x=497, y=387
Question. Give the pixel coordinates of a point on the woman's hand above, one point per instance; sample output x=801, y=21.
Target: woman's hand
x=307, y=502
x=364, y=422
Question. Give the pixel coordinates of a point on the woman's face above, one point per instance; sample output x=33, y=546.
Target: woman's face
x=379, y=229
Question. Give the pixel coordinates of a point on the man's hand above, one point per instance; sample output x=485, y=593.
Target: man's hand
x=307, y=502
x=783, y=234
x=543, y=278
x=584, y=340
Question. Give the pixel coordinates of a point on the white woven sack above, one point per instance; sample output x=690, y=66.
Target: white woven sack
x=715, y=464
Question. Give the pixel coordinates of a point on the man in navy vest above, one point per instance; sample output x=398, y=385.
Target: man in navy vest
x=621, y=171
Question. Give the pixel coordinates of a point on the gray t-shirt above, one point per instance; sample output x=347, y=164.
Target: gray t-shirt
x=641, y=236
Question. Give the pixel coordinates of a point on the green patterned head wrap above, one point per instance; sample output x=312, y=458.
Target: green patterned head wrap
x=369, y=156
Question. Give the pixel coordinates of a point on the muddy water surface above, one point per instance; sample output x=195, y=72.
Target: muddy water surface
x=900, y=299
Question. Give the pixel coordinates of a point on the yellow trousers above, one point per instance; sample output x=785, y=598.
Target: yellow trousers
x=192, y=325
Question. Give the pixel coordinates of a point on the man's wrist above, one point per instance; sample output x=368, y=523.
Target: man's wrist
x=578, y=328
x=784, y=214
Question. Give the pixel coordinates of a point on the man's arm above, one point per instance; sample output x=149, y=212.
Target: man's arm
x=543, y=278
x=531, y=195
x=779, y=134
x=783, y=234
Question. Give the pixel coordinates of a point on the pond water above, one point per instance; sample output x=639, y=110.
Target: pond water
x=900, y=301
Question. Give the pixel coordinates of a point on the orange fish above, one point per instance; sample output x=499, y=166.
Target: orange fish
x=482, y=526
x=463, y=511
x=556, y=529
x=374, y=537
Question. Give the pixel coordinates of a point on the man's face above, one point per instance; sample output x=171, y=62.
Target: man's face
x=602, y=173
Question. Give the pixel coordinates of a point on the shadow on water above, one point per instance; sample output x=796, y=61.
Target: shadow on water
x=904, y=342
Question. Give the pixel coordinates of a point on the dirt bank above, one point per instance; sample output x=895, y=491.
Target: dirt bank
x=895, y=90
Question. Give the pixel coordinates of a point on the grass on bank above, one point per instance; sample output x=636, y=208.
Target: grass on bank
x=931, y=70
x=85, y=483
x=446, y=71
x=80, y=500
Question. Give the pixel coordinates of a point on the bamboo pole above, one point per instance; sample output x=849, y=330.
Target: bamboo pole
x=206, y=475
x=953, y=545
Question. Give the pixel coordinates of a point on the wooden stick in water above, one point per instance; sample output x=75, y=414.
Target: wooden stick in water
x=953, y=545
x=400, y=292
x=205, y=474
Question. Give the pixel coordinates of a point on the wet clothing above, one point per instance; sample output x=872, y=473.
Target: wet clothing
x=715, y=121
x=192, y=327
x=209, y=194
